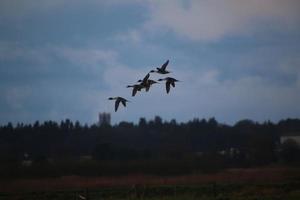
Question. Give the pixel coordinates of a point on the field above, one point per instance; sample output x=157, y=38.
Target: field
x=240, y=184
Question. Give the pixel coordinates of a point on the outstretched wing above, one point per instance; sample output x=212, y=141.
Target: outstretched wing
x=124, y=102
x=146, y=78
x=117, y=104
x=168, y=86
x=163, y=67
x=134, y=90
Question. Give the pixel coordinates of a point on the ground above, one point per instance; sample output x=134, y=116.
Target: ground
x=264, y=183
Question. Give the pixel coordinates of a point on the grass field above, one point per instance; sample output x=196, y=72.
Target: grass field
x=240, y=184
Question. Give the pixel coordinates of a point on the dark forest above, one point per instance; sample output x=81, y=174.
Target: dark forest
x=149, y=147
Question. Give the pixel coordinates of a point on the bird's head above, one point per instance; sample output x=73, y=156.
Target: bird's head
x=110, y=98
x=152, y=71
x=160, y=79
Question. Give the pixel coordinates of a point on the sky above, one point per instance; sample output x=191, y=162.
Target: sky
x=236, y=59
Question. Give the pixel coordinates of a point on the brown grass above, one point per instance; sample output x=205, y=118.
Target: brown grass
x=253, y=175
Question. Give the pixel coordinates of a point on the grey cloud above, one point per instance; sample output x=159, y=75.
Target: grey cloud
x=16, y=9
x=213, y=20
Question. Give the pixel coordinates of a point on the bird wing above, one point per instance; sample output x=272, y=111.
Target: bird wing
x=163, y=67
x=134, y=90
x=146, y=78
x=123, y=102
x=173, y=84
x=168, y=86
x=147, y=87
x=117, y=104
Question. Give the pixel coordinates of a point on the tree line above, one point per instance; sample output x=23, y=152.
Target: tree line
x=198, y=144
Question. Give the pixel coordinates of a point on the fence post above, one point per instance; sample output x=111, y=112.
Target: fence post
x=214, y=188
x=87, y=194
x=175, y=191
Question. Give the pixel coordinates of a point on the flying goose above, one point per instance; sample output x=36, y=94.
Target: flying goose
x=118, y=100
x=169, y=81
x=148, y=84
x=162, y=69
x=135, y=88
x=144, y=81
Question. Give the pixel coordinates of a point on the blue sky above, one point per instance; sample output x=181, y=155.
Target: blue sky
x=236, y=59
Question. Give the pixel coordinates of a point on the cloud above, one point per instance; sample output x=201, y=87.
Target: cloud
x=53, y=59
x=213, y=20
x=14, y=51
x=205, y=95
x=291, y=67
x=201, y=93
x=132, y=36
x=87, y=56
x=69, y=85
x=15, y=96
x=11, y=51
x=229, y=82
x=17, y=9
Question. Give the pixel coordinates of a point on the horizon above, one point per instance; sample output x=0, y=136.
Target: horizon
x=15, y=124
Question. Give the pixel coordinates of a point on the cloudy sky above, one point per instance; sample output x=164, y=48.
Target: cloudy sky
x=236, y=59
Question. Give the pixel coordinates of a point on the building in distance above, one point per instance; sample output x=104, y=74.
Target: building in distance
x=104, y=118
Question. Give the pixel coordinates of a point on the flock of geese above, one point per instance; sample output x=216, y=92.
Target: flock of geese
x=146, y=83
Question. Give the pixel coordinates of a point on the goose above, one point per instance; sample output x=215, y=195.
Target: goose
x=169, y=81
x=162, y=69
x=149, y=83
x=118, y=100
x=135, y=88
x=144, y=81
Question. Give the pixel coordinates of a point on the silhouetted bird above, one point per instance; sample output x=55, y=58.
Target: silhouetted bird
x=148, y=84
x=169, y=81
x=118, y=100
x=135, y=88
x=162, y=69
x=144, y=81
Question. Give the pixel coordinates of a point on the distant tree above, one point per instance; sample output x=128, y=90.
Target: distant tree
x=124, y=124
x=9, y=127
x=36, y=125
x=246, y=143
x=290, y=151
x=142, y=122
x=173, y=122
x=245, y=124
x=77, y=126
x=212, y=122
x=157, y=120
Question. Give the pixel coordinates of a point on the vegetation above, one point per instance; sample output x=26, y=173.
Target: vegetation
x=212, y=191
x=149, y=147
